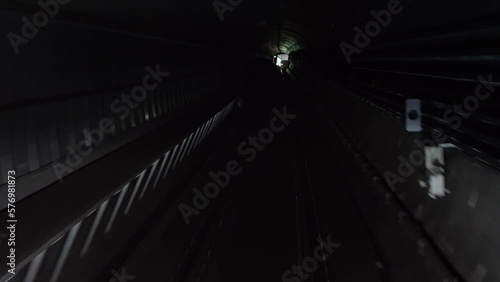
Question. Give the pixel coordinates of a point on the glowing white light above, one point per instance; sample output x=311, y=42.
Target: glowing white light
x=280, y=59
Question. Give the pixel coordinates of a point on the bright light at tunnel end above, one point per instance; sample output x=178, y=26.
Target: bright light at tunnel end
x=281, y=60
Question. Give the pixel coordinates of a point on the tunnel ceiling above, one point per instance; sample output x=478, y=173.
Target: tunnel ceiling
x=262, y=25
x=241, y=30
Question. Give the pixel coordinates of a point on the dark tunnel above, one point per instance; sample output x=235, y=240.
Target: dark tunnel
x=250, y=140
